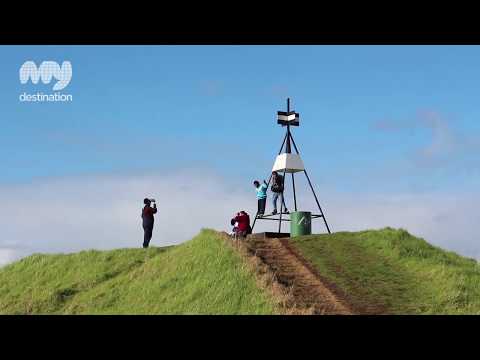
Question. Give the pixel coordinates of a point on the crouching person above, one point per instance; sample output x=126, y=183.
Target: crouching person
x=235, y=225
x=242, y=221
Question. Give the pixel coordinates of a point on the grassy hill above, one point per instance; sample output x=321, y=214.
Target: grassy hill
x=388, y=269
x=396, y=271
x=201, y=276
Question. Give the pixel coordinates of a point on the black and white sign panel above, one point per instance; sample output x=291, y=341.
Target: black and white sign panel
x=288, y=118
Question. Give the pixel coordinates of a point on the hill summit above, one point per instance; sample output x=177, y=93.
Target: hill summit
x=385, y=271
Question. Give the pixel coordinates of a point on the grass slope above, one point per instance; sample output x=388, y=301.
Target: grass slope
x=395, y=270
x=202, y=276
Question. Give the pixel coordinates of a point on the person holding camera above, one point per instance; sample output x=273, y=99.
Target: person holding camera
x=148, y=220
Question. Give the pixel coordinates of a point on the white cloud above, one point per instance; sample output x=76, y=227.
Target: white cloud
x=7, y=256
x=445, y=220
x=103, y=212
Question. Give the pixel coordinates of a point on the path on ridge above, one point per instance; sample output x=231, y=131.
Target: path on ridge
x=291, y=270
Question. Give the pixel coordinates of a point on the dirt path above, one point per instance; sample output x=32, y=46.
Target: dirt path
x=291, y=270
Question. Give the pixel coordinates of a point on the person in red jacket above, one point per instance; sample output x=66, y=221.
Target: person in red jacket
x=243, y=224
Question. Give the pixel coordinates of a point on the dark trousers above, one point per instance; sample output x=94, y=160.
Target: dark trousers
x=147, y=235
x=261, y=206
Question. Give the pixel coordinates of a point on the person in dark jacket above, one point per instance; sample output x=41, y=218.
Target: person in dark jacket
x=277, y=190
x=148, y=220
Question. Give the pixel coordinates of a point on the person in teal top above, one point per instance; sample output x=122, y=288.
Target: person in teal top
x=261, y=196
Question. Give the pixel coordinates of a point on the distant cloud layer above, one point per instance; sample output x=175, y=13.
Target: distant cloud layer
x=103, y=212
x=444, y=219
x=7, y=256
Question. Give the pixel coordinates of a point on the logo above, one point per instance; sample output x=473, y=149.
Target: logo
x=304, y=220
x=47, y=71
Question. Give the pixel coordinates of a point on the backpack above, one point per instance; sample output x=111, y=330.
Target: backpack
x=277, y=185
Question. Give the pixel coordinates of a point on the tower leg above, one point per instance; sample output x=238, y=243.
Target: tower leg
x=318, y=204
x=294, y=195
x=311, y=187
x=282, y=200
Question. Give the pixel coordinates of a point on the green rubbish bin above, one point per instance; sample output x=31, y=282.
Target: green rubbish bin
x=300, y=223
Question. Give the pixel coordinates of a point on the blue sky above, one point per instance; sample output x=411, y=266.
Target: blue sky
x=215, y=106
x=374, y=119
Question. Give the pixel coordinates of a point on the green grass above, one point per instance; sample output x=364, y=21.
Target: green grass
x=201, y=276
x=396, y=270
x=387, y=268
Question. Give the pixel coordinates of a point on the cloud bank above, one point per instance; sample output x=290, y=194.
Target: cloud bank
x=103, y=212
